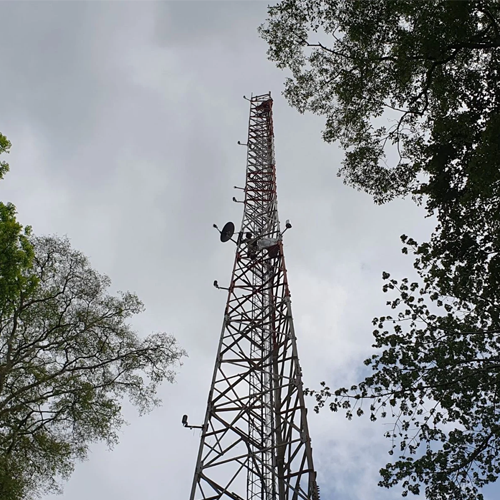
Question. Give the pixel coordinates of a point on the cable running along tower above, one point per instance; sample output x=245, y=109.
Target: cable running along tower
x=255, y=442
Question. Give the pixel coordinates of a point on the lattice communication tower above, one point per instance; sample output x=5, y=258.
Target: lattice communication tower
x=255, y=442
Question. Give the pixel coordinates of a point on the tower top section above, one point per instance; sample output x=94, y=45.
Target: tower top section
x=261, y=207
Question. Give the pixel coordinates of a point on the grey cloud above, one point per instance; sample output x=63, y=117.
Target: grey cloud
x=193, y=24
x=47, y=68
x=124, y=118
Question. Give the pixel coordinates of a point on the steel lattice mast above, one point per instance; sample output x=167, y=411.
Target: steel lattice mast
x=255, y=442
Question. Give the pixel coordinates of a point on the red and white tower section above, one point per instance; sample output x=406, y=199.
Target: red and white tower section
x=255, y=442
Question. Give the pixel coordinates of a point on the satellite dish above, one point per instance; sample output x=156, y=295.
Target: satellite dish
x=227, y=232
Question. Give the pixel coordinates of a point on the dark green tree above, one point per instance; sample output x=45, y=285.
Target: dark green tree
x=68, y=357
x=411, y=90
x=419, y=76
x=4, y=148
x=419, y=81
x=436, y=380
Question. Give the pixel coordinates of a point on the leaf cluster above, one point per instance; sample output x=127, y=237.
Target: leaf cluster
x=436, y=379
x=4, y=148
x=421, y=78
x=68, y=357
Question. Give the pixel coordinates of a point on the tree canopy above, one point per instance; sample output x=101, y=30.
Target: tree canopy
x=419, y=82
x=411, y=91
x=437, y=382
x=68, y=357
x=5, y=146
x=430, y=67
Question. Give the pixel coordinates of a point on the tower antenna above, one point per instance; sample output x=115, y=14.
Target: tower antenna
x=255, y=442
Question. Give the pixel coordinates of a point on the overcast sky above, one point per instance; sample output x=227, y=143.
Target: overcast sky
x=124, y=119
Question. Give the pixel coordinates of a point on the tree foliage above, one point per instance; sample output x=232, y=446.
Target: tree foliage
x=422, y=80
x=431, y=67
x=411, y=90
x=437, y=380
x=4, y=148
x=68, y=357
